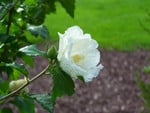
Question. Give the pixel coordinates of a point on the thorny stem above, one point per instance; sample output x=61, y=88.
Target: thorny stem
x=23, y=86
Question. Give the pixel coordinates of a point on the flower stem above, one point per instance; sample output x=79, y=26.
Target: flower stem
x=23, y=86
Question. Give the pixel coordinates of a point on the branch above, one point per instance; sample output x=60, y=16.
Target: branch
x=9, y=20
x=22, y=87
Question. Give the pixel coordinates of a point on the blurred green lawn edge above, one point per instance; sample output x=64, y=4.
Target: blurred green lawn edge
x=115, y=24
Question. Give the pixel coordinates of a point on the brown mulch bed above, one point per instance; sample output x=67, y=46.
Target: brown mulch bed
x=113, y=91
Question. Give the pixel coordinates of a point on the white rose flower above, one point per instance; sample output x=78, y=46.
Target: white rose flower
x=78, y=54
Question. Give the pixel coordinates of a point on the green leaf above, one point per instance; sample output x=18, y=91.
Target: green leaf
x=48, y=5
x=39, y=31
x=36, y=14
x=81, y=78
x=146, y=69
x=4, y=9
x=45, y=101
x=3, y=87
x=6, y=110
x=15, y=75
x=32, y=50
x=6, y=38
x=20, y=67
x=62, y=83
x=69, y=6
x=145, y=90
x=24, y=104
x=28, y=60
x=29, y=2
x=51, y=4
x=1, y=45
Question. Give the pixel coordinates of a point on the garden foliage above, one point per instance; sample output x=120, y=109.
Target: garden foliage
x=144, y=88
x=20, y=22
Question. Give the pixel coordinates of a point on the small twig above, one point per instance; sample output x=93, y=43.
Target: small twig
x=29, y=81
x=9, y=21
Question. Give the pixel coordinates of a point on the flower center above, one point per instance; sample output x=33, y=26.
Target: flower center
x=77, y=58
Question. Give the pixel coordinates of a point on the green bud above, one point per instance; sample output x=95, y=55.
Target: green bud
x=52, y=52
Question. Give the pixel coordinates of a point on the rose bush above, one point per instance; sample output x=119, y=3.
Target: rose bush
x=78, y=54
x=77, y=57
x=21, y=26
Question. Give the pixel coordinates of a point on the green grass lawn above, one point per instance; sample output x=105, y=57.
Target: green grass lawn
x=115, y=24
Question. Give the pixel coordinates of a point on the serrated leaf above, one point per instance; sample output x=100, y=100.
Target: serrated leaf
x=24, y=104
x=20, y=67
x=32, y=50
x=69, y=6
x=62, y=83
x=39, y=31
x=6, y=110
x=45, y=101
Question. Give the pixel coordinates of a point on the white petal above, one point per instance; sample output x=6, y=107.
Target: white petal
x=85, y=48
x=93, y=73
x=63, y=45
x=78, y=54
x=73, y=32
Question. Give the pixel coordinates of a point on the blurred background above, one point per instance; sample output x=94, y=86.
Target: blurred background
x=117, y=24
x=122, y=28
